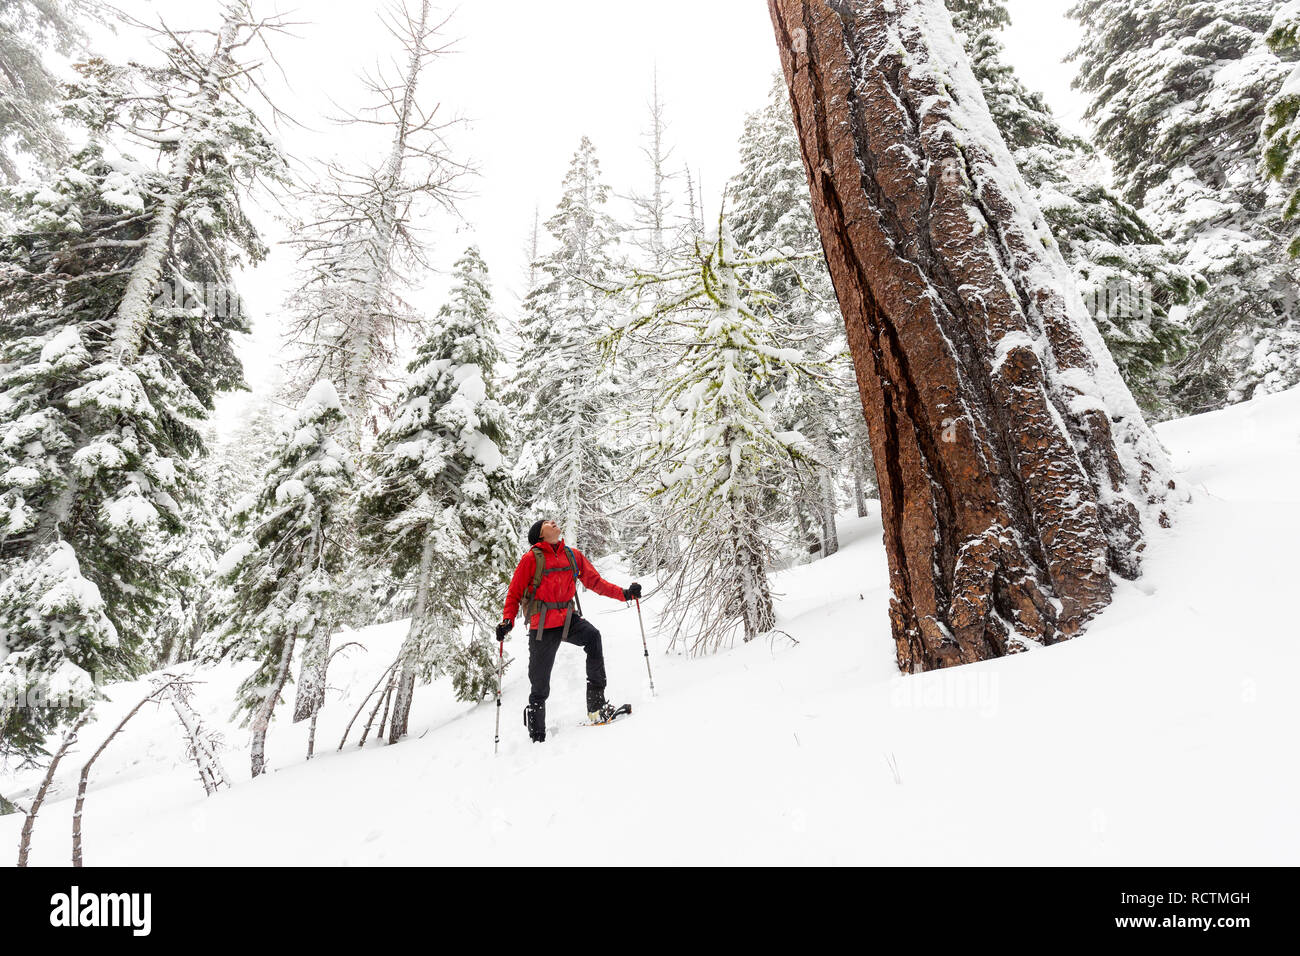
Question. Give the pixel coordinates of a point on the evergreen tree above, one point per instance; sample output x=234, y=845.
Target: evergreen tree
x=440, y=508
x=769, y=206
x=771, y=214
x=719, y=453
x=118, y=307
x=1129, y=279
x=654, y=236
x=1282, y=124
x=563, y=392
x=1179, y=93
x=229, y=471
x=56, y=645
x=361, y=247
x=282, y=569
x=29, y=90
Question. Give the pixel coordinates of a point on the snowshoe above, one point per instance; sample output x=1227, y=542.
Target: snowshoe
x=607, y=713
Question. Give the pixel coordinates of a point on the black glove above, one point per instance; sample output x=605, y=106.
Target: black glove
x=503, y=629
x=632, y=592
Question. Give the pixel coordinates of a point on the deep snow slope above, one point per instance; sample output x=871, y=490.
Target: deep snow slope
x=1164, y=735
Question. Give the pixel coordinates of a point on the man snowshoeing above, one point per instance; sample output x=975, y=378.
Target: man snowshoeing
x=548, y=595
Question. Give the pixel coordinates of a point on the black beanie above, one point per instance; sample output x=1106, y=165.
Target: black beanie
x=535, y=533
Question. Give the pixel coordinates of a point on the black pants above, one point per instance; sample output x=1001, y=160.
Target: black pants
x=541, y=657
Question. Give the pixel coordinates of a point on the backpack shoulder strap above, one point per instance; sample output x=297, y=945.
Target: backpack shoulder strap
x=539, y=568
x=573, y=566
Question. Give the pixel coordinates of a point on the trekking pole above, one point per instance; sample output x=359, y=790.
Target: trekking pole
x=501, y=657
x=645, y=648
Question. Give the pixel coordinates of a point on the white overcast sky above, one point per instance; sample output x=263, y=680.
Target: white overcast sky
x=532, y=78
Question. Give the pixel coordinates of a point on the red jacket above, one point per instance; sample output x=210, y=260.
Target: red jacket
x=557, y=586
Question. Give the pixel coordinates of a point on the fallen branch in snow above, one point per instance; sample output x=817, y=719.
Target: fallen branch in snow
x=25, y=841
x=786, y=634
x=203, y=743
x=154, y=695
x=365, y=701
x=893, y=768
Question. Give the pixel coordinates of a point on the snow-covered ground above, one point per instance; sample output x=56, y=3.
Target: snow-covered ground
x=1165, y=735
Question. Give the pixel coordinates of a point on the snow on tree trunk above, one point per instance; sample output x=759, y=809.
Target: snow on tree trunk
x=859, y=495
x=1015, y=469
x=202, y=743
x=136, y=307
x=312, y=673
x=409, y=656
x=315, y=656
x=830, y=534
x=262, y=717
x=755, y=593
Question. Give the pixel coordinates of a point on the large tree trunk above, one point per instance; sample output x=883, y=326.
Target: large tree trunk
x=1015, y=470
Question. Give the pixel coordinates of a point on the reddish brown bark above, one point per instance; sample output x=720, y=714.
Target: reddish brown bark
x=1006, y=496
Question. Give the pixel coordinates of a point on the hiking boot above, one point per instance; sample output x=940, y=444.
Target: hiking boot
x=535, y=721
x=599, y=710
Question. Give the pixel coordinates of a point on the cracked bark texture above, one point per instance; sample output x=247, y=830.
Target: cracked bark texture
x=1014, y=475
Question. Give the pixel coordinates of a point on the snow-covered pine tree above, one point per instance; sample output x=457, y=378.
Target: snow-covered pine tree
x=1282, y=123
x=282, y=568
x=563, y=392
x=232, y=474
x=769, y=206
x=771, y=213
x=654, y=235
x=360, y=249
x=718, y=453
x=1016, y=471
x=118, y=307
x=440, y=509
x=29, y=90
x=1179, y=91
x=223, y=475
x=56, y=645
x=1129, y=279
